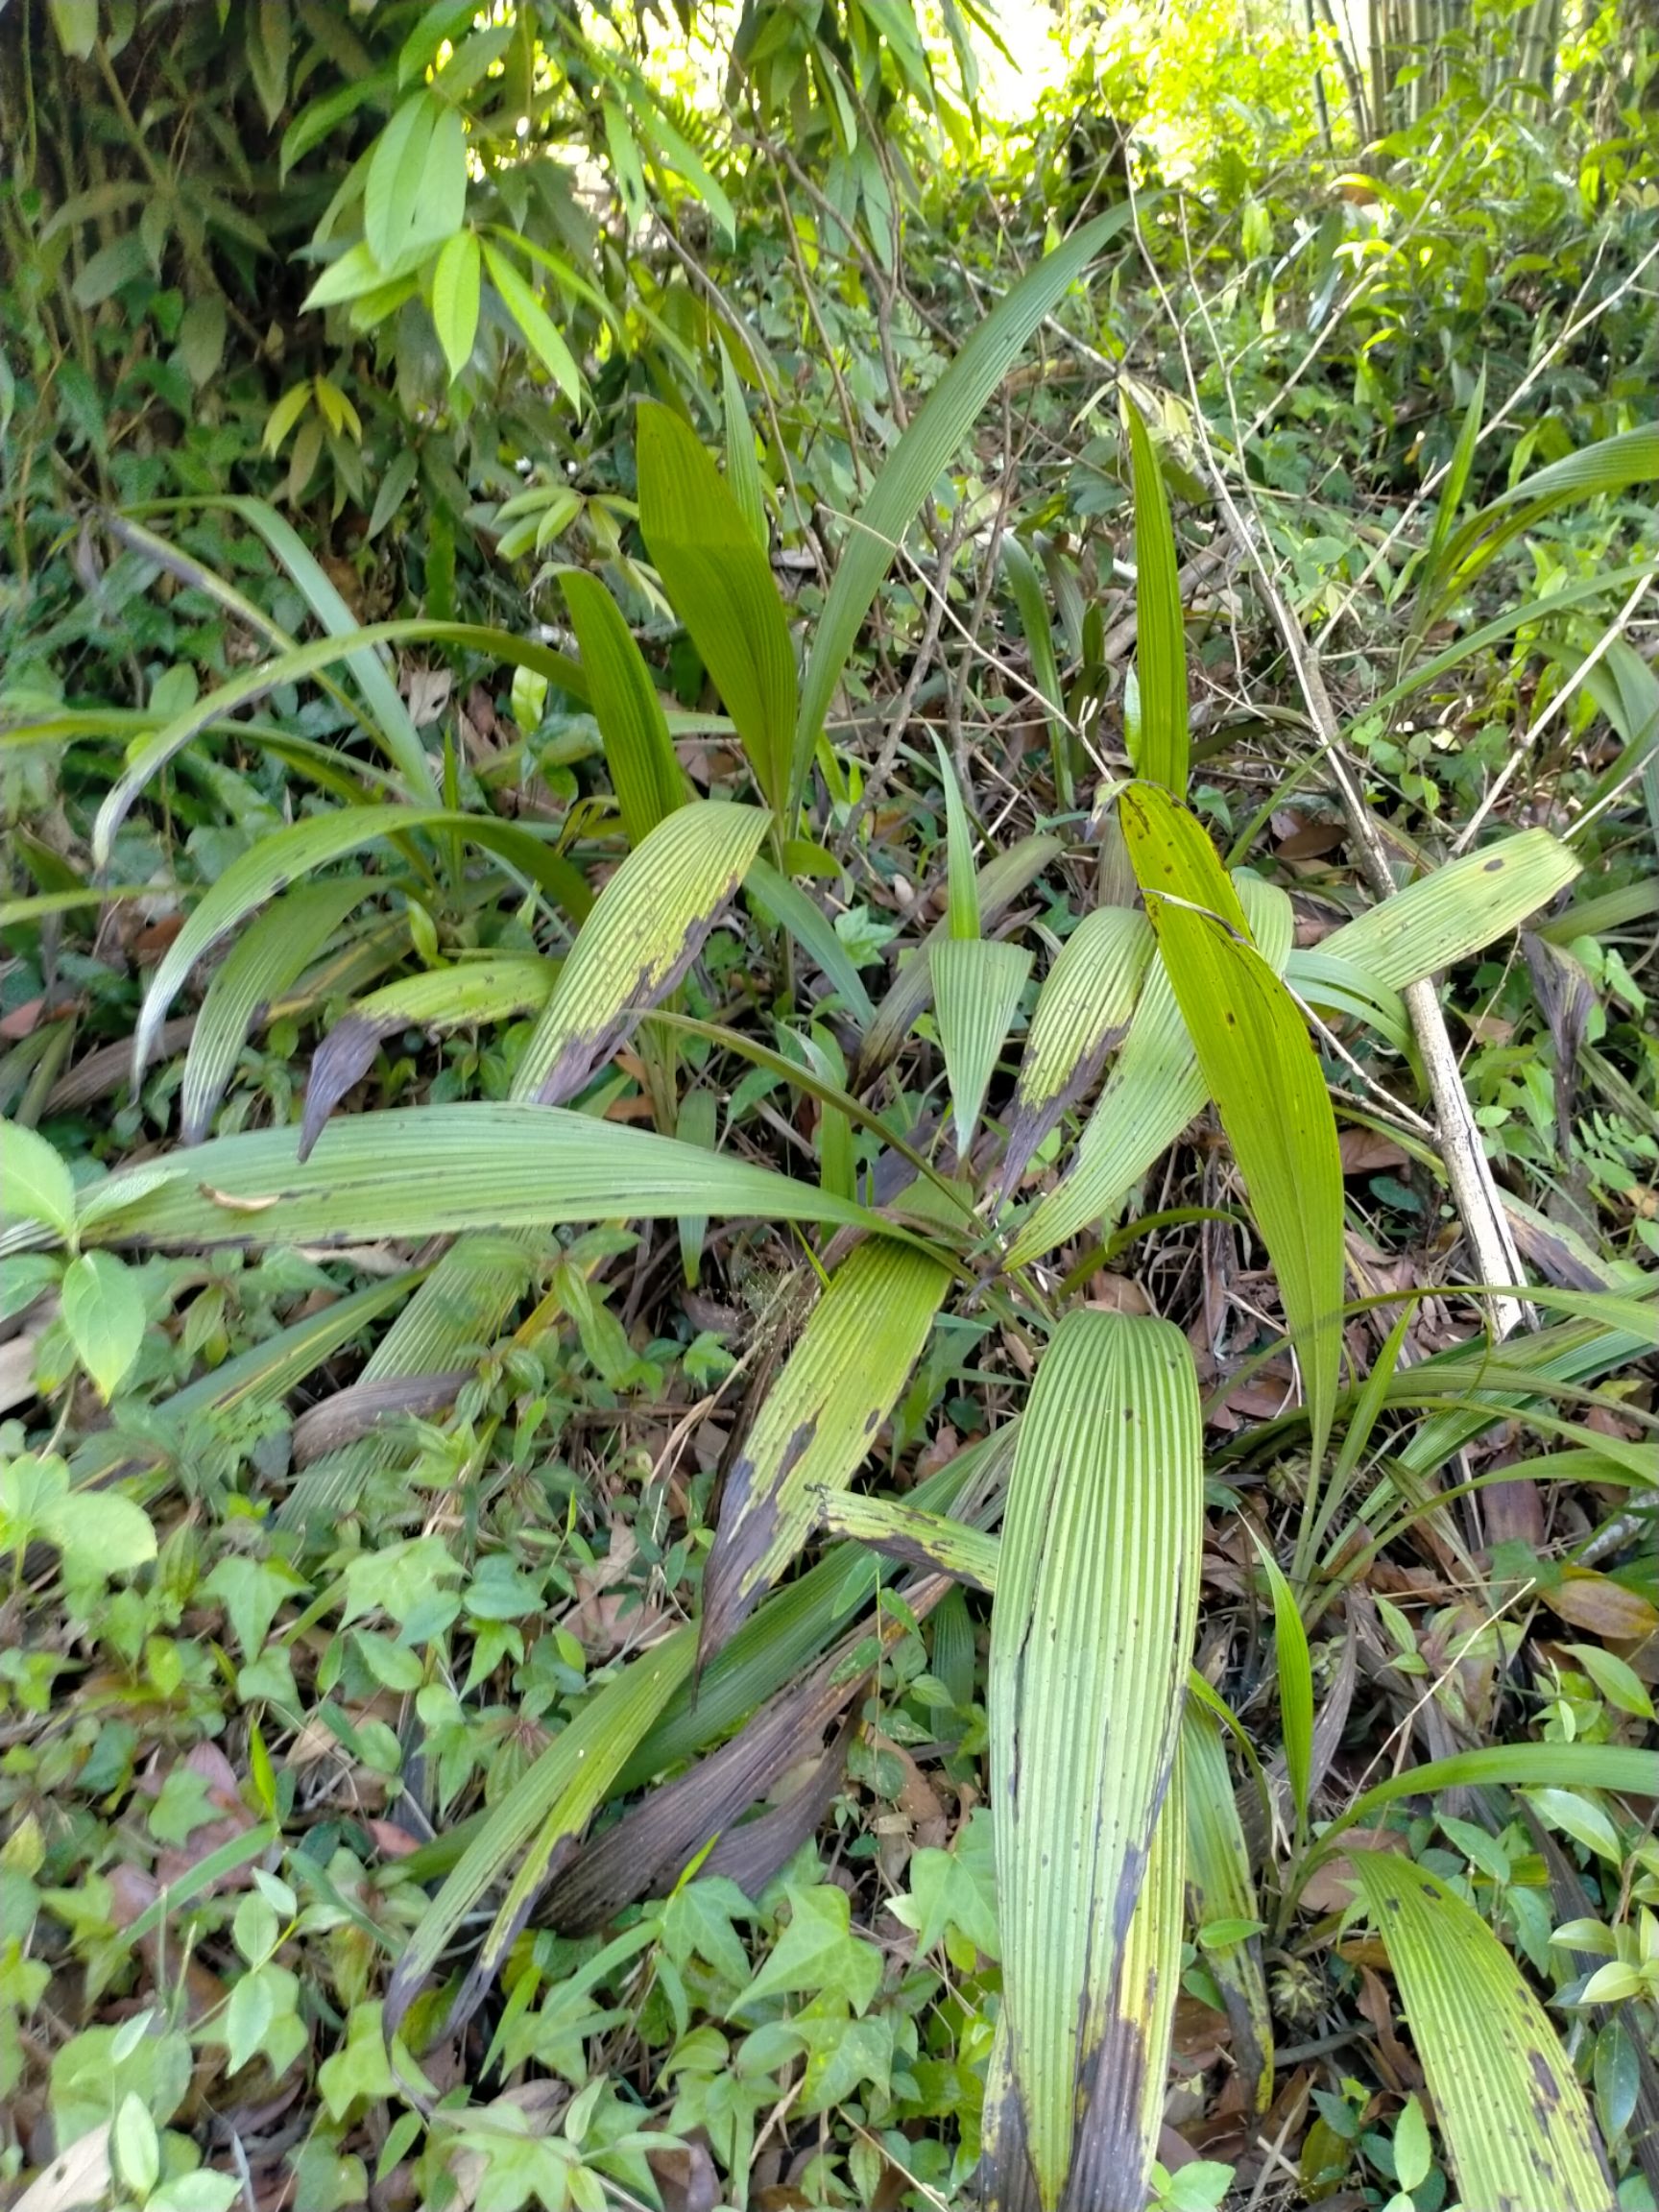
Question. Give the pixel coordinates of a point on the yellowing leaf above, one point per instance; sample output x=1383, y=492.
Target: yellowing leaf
x=1455, y=910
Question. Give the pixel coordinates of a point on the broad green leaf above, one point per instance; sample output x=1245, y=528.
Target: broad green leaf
x=1091, y=1634
x=397, y=179
x=1455, y=910
x=537, y=327
x=1221, y=1890
x=976, y=987
x=1161, y=637
x=1507, y=2100
x=36, y=1184
x=104, y=1313
x=282, y=857
x=645, y=772
x=818, y=1421
x=1260, y=1067
x=719, y=583
x=436, y=1170
x=648, y=926
x=910, y=472
x=76, y=23
x=1155, y=1089
x=547, y=1810
x=999, y=883
x=1082, y=1013
x=455, y=295
x=259, y=966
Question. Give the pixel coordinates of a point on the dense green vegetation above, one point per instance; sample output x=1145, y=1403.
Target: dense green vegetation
x=829, y=1112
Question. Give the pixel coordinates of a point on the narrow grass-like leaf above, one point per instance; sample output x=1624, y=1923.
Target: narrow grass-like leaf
x=1611, y=465
x=262, y=963
x=793, y=909
x=962, y=881
x=1455, y=912
x=1090, y=1633
x=819, y=1421
x=539, y=332
x=910, y=472
x=1032, y=603
x=1266, y=1077
x=648, y=926
x=976, y=987
x=1617, y=1766
x=1221, y=1890
x=1000, y=882
x=1455, y=485
x=720, y=584
x=1155, y=1089
x=645, y=772
x=436, y=1170
x=1296, y=1670
x=284, y=856
x=1509, y=2104
x=1160, y=635
x=558, y=1795
x=1082, y=1013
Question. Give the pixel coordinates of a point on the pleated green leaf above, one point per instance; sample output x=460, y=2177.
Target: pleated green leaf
x=1457, y=910
x=1261, y=1069
x=901, y=1531
x=1511, y=2107
x=284, y=856
x=1221, y=1890
x=720, y=584
x=645, y=772
x=912, y=469
x=1161, y=751
x=976, y=987
x=1155, y=1089
x=1091, y=1634
x=1082, y=1013
x=259, y=966
x=999, y=883
x=818, y=1421
x=648, y=927
x=429, y=1171
x=549, y=1806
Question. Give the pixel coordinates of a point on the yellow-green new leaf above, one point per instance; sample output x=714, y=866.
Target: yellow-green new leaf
x=455, y=295
x=1509, y=2104
x=976, y=987
x=648, y=927
x=1457, y=910
x=819, y=1421
x=1082, y=1013
x=1090, y=1633
x=720, y=584
x=645, y=771
x=1264, y=1074
x=535, y=326
x=1160, y=639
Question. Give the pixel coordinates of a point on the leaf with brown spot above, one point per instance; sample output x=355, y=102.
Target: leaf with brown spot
x=819, y=1421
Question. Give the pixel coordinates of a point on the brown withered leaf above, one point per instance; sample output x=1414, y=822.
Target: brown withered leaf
x=1604, y=1607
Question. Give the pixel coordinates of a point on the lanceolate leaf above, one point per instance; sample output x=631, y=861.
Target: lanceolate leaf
x=535, y=326
x=1513, y=2114
x=557, y=1796
x=435, y=1171
x=1457, y=910
x=819, y=1421
x=717, y=577
x=911, y=471
x=455, y=297
x=262, y=963
x=1090, y=1633
x=647, y=928
x=283, y=857
x=1221, y=1889
x=976, y=987
x=1154, y=1090
x=645, y=772
x=1082, y=1012
x=1265, y=1075
x=1161, y=638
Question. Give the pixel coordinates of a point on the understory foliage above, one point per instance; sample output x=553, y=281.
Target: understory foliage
x=829, y=1106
